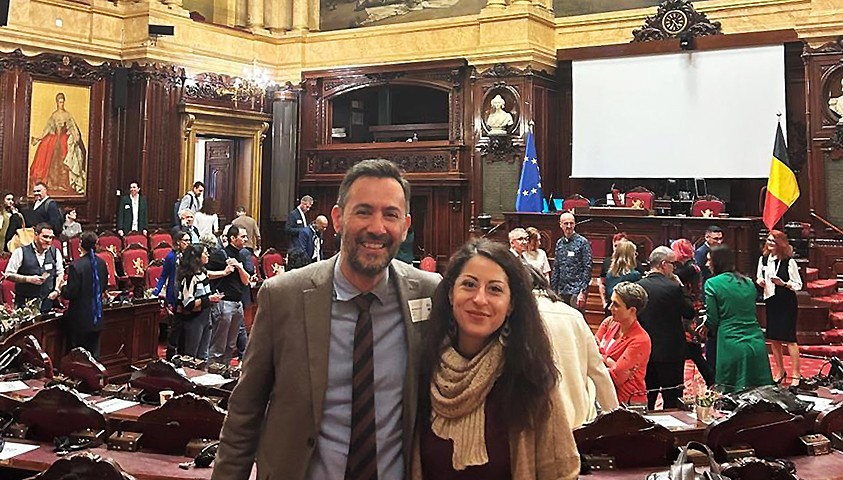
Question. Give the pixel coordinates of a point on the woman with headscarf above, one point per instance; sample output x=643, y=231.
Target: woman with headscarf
x=489, y=405
x=87, y=280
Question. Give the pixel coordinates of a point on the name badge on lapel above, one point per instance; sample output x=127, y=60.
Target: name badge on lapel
x=420, y=309
x=127, y=207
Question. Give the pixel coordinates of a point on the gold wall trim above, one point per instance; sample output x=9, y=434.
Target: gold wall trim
x=198, y=120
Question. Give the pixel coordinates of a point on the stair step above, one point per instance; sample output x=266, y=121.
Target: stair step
x=812, y=274
x=833, y=336
x=823, y=350
x=834, y=302
x=822, y=287
x=836, y=319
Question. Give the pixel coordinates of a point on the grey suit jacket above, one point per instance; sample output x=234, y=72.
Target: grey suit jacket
x=275, y=411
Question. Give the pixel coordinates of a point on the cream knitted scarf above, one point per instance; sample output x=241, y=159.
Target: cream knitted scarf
x=458, y=401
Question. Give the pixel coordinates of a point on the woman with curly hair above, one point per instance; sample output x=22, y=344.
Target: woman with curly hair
x=489, y=405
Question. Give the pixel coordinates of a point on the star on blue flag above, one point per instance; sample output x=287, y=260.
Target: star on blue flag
x=530, y=198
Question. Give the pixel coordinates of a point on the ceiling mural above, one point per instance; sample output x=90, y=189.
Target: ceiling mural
x=338, y=14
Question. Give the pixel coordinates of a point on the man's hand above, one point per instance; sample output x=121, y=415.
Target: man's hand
x=581, y=300
x=36, y=279
x=120, y=232
x=53, y=295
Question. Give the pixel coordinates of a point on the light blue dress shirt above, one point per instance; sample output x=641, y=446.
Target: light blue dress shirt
x=390, y=363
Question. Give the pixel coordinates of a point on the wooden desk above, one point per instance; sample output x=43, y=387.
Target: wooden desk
x=824, y=467
x=648, y=232
x=141, y=465
x=129, y=337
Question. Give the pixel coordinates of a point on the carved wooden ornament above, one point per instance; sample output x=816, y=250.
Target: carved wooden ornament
x=674, y=19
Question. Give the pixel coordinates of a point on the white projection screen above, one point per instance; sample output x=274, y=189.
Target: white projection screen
x=709, y=114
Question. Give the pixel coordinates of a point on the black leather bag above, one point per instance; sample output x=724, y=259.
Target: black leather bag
x=684, y=470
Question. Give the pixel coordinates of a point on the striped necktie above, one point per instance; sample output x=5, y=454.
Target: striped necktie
x=362, y=448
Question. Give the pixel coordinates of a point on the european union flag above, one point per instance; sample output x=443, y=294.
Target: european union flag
x=530, y=198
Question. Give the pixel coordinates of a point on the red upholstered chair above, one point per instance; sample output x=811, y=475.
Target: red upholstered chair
x=428, y=264
x=135, y=260
x=108, y=258
x=7, y=288
x=271, y=263
x=111, y=242
x=153, y=273
x=639, y=197
x=708, y=206
x=58, y=244
x=161, y=251
x=135, y=237
x=74, y=248
x=574, y=201
x=160, y=236
x=4, y=261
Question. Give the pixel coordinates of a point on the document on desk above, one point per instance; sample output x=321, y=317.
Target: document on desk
x=667, y=421
x=210, y=380
x=12, y=386
x=820, y=404
x=13, y=449
x=114, y=404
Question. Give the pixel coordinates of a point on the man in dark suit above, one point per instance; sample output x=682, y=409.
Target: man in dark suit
x=87, y=279
x=289, y=411
x=713, y=237
x=297, y=219
x=45, y=209
x=662, y=319
x=132, y=214
x=310, y=239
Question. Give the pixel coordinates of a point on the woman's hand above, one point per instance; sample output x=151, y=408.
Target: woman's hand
x=761, y=282
x=609, y=362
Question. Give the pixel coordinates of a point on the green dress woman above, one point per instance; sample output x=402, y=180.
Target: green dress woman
x=742, y=360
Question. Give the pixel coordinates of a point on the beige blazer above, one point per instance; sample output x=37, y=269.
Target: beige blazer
x=275, y=412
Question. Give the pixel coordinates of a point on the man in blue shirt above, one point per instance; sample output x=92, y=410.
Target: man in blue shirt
x=572, y=265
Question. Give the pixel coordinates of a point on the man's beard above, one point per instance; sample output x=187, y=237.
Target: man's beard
x=374, y=268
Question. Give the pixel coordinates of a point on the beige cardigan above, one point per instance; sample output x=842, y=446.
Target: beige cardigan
x=544, y=453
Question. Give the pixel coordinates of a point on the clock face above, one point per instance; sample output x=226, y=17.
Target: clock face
x=674, y=22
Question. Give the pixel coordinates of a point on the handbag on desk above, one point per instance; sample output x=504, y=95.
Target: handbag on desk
x=24, y=236
x=680, y=470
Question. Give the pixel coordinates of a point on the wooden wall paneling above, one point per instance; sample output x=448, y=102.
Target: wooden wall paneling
x=440, y=171
x=152, y=138
x=797, y=126
x=823, y=72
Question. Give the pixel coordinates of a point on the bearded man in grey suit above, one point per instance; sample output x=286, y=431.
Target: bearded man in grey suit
x=291, y=411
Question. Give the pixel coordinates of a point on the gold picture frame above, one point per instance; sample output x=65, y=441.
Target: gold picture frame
x=59, y=123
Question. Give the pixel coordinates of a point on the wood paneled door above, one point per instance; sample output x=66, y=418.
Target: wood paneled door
x=219, y=176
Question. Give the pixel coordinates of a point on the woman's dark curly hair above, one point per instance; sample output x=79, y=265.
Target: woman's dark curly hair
x=190, y=263
x=529, y=374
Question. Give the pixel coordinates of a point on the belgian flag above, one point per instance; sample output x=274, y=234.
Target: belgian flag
x=782, y=189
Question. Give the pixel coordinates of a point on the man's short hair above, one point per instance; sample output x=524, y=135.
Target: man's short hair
x=198, y=183
x=713, y=229
x=40, y=182
x=307, y=199
x=517, y=233
x=88, y=240
x=233, y=231
x=182, y=213
x=374, y=168
x=659, y=255
x=241, y=209
x=42, y=226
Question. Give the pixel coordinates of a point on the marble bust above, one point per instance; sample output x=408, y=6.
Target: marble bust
x=836, y=105
x=499, y=119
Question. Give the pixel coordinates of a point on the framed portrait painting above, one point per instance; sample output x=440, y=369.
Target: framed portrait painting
x=58, y=137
